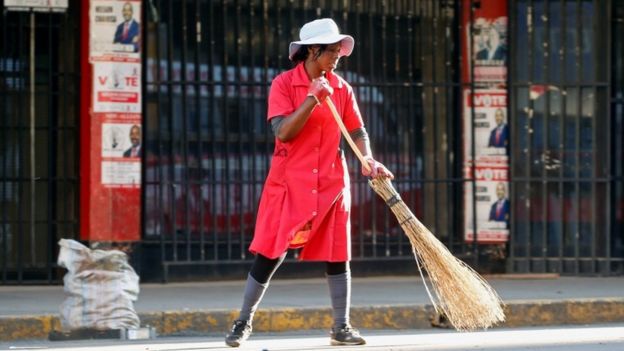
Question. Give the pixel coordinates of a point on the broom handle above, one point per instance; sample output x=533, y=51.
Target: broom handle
x=346, y=134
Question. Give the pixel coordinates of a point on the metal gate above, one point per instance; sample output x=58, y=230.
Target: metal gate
x=566, y=159
x=617, y=127
x=209, y=65
x=38, y=141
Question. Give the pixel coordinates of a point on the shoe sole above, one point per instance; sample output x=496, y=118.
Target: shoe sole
x=344, y=343
x=232, y=343
x=236, y=343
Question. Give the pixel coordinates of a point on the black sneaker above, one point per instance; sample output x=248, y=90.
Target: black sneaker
x=346, y=335
x=239, y=333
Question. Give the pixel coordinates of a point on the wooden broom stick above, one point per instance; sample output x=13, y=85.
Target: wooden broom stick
x=346, y=134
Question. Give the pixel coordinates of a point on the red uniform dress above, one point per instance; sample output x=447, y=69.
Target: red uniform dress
x=306, y=198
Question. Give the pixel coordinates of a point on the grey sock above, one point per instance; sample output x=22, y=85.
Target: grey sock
x=340, y=292
x=253, y=294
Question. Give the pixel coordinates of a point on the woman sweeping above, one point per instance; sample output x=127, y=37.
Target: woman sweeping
x=306, y=199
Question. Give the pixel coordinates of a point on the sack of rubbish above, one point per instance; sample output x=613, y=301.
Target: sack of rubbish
x=100, y=288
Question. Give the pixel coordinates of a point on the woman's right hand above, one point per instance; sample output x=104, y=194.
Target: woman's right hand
x=375, y=169
x=320, y=89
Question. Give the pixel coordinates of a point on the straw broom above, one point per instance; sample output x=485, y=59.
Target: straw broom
x=462, y=295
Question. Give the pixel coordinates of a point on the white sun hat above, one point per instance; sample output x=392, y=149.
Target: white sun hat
x=322, y=31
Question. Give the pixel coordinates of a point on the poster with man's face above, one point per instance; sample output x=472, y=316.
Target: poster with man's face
x=491, y=197
x=490, y=41
x=491, y=128
x=121, y=140
x=115, y=30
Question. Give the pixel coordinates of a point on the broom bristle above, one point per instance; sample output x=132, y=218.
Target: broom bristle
x=465, y=298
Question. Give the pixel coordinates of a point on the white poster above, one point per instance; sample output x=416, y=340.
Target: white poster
x=36, y=5
x=115, y=30
x=117, y=87
x=491, y=128
x=491, y=201
x=127, y=174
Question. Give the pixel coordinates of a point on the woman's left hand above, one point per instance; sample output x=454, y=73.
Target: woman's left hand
x=377, y=169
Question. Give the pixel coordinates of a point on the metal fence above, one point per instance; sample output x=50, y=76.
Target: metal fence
x=38, y=141
x=616, y=128
x=566, y=159
x=209, y=66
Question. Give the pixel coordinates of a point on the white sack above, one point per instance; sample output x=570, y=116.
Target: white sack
x=100, y=288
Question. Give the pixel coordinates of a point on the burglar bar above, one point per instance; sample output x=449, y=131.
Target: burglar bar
x=239, y=54
x=38, y=152
x=207, y=182
x=591, y=247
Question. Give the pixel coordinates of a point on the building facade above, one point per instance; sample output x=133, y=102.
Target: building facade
x=206, y=71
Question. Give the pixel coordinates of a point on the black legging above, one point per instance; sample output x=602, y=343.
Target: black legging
x=263, y=268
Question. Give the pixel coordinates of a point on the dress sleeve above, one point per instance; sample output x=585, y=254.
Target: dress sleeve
x=351, y=115
x=280, y=102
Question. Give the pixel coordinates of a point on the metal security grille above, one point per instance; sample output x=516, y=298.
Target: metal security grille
x=209, y=67
x=617, y=130
x=566, y=161
x=38, y=141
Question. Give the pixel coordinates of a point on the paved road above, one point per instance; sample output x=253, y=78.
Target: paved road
x=588, y=338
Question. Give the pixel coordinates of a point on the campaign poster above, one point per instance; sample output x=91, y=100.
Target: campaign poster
x=121, y=140
x=115, y=30
x=115, y=56
x=491, y=200
x=486, y=128
x=486, y=112
x=486, y=54
x=117, y=87
x=114, y=120
x=121, y=174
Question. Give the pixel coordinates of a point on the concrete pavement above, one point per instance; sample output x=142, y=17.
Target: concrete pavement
x=31, y=312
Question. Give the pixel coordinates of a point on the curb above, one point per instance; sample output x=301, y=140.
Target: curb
x=520, y=313
x=27, y=327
